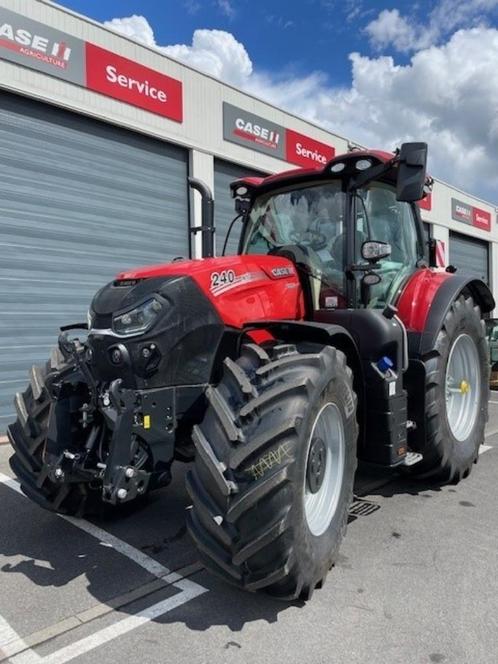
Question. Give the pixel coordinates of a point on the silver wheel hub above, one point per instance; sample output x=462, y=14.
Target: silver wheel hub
x=463, y=387
x=324, y=469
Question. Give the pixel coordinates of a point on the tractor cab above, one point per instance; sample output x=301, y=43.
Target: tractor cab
x=352, y=228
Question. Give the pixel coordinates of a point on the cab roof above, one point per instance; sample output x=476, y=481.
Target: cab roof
x=256, y=185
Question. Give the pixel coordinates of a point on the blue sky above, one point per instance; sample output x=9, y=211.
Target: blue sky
x=375, y=72
x=288, y=37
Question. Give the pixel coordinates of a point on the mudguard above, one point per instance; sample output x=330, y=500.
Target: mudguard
x=426, y=299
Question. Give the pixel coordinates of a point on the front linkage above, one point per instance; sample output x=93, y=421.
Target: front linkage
x=116, y=438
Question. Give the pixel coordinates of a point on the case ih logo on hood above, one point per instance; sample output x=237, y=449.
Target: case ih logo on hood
x=40, y=47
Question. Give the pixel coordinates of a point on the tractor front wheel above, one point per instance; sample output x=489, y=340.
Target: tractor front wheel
x=457, y=393
x=274, y=469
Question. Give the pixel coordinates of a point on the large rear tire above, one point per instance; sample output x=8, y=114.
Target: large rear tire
x=273, y=476
x=28, y=435
x=457, y=393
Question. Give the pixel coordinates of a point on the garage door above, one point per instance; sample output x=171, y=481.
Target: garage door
x=79, y=201
x=224, y=210
x=469, y=255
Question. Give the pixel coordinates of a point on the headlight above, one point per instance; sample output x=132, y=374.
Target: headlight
x=137, y=320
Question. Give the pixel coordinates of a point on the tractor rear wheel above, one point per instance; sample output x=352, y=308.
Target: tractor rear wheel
x=273, y=476
x=457, y=393
x=28, y=435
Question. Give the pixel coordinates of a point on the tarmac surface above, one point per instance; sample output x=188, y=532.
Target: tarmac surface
x=416, y=582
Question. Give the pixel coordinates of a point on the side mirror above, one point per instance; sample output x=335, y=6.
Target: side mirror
x=375, y=251
x=411, y=172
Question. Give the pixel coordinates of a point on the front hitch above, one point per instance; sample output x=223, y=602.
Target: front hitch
x=123, y=481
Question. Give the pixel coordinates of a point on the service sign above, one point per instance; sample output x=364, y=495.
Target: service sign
x=252, y=131
x=481, y=219
x=305, y=151
x=257, y=133
x=470, y=215
x=37, y=46
x=126, y=80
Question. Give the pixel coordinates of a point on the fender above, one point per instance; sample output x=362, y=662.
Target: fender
x=426, y=299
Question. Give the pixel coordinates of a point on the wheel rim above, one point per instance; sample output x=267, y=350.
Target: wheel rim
x=324, y=469
x=463, y=387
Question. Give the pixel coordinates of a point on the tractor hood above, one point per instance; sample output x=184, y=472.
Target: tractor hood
x=241, y=288
x=162, y=325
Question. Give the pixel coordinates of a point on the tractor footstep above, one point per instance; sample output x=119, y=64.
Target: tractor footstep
x=412, y=458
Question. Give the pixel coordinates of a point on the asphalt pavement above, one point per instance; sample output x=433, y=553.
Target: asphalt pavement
x=416, y=582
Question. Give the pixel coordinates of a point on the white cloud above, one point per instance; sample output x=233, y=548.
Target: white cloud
x=226, y=8
x=217, y=53
x=405, y=33
x=390, y=28
x=446, y=95
x=134, y=26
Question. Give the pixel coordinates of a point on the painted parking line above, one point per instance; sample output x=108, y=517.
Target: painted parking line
x=9, y=635
x=188, y=591
x=485, y=448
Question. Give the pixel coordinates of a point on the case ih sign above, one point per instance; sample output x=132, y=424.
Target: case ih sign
x=37, y=46
x=468, y=214
x=257, y=133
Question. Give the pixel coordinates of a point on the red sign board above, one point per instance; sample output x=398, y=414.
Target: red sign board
x=481, y=219
x=305, y=151
x=426, y=203
x=120, y=78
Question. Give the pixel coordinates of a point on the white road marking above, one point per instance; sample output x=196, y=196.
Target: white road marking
x=139, y=557
x=9, y=635
x=189, y=590
x=491, y=401
x=485, y=448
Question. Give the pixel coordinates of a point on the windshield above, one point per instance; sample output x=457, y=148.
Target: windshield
x=311, y=216
x=312, y=219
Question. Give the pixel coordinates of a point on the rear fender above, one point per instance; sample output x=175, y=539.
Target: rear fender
x=426, y=300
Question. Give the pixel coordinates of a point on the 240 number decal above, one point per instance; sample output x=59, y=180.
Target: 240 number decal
x=222, y=278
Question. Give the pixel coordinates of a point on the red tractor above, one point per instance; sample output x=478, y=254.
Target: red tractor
x=329, y=338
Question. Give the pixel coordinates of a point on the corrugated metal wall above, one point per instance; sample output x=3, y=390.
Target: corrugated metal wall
x=79, y=201
x=224, y=209
x=469, y=255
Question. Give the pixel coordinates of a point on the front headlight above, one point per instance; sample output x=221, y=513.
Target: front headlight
x=137, y=320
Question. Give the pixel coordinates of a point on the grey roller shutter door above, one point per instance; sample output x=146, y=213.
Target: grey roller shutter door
x=470, y=256
x=224, y=209
x=79, y=201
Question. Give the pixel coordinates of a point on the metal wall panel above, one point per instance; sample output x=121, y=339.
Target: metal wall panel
x=224, y=209
x=79, y=201
x=469, y=255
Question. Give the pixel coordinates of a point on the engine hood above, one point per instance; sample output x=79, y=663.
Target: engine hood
x=241, y=288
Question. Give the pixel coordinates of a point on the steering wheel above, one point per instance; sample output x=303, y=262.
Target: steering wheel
x=309, y=237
